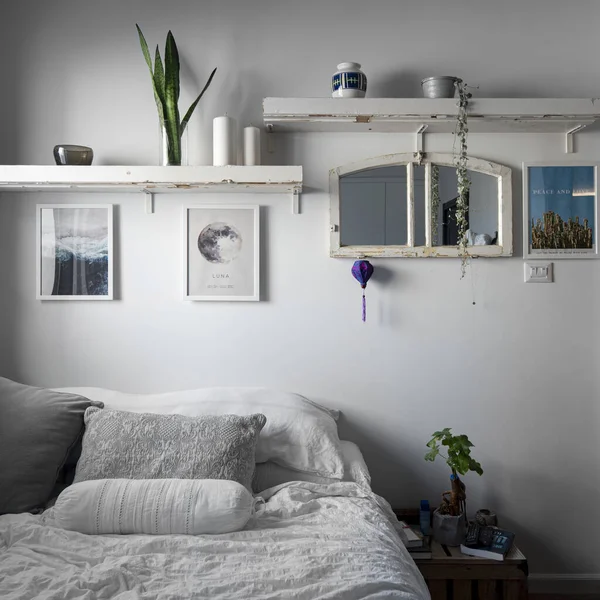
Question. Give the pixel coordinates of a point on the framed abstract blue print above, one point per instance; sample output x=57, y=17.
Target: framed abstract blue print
x=74, y=255
x=560, y=211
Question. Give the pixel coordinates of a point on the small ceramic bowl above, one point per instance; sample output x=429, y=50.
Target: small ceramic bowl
x=66, y=154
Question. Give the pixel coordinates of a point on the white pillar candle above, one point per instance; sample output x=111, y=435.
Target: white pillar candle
x=251, y=146
x=224, y=150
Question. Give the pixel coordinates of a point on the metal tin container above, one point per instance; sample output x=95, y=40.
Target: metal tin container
x=442, y=86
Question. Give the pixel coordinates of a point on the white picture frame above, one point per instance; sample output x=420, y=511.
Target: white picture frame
x=80, y=236
x=221, y=253
x=549, y=183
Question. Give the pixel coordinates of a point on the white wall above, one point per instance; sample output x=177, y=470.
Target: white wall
x=517, y=371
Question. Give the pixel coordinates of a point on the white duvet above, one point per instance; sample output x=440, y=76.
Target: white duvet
x=308, y=541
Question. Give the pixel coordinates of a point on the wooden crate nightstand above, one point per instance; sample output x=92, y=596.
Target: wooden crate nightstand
x=451, y=575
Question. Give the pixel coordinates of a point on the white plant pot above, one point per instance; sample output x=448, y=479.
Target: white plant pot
x=449, y=530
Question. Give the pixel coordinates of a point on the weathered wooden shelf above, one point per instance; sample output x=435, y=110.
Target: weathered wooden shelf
x=419, y=115
x=153, y=180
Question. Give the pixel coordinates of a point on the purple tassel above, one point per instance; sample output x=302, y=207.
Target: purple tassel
x=362, y=271
x=364, y=307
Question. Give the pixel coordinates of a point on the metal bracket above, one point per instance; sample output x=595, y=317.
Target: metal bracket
x=296, y=202
x=569, y=138
x=149, y=201
x=419, y=139
x=270, y=139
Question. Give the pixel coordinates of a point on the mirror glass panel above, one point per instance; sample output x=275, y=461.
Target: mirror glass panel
x=370, y=207
x=373, y=207
x=483, y=208
x=419, y=194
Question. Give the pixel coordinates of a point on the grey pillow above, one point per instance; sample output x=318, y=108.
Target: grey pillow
x=124, y=445
x=38, y=429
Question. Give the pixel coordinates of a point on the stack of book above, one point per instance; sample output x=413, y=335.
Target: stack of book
x=488, y=542
x=417, y=544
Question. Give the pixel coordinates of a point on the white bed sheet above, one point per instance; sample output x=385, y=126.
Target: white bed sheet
x=308, y=541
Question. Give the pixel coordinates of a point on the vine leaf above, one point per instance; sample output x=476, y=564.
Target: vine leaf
x=191, y=109
x=431, y=455
x=172, y=99
x=464, y=182
x=158, y=99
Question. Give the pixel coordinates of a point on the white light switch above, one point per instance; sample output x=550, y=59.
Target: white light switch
x=539, y=272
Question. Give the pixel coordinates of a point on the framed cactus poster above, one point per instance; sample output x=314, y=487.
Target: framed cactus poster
x=560, y=211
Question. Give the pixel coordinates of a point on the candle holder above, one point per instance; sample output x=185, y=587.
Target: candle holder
x=224, y=142
x=251, y=146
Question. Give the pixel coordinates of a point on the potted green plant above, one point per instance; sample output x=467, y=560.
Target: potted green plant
x=166, y=86
x=450, y=518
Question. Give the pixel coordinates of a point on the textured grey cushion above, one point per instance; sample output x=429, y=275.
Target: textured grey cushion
x=38, y=428
x=124, y=445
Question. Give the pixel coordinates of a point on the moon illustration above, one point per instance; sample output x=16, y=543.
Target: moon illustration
x=220, y=243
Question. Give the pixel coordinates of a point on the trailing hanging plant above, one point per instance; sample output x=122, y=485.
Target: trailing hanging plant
x=435, y=203
x=460, y=461
x=165, y=83
x=462, y=174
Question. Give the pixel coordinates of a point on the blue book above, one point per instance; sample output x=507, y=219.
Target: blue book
x=499, y=544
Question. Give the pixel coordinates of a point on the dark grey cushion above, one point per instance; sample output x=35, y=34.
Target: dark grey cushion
x=38, y=429
x=124, y=445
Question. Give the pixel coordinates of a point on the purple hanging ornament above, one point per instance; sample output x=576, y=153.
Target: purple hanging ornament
x=362, y=271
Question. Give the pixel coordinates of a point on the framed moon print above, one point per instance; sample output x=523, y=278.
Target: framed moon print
x=221, y=252
x=560, y=211
x=74, y=253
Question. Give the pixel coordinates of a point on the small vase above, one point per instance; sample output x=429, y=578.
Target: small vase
x=449, y=530
x=348, y=81
x=67, y=154
x=168, y=157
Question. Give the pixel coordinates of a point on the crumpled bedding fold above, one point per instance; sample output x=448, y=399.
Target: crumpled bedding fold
x=307, y=542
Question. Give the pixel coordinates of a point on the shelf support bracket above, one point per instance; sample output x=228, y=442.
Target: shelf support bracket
x=569, y=139
x=149, y=201
x=295, y=202
x=270, y=139
x=419, y=142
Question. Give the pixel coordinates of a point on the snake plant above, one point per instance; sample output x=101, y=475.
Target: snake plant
x=165, y=83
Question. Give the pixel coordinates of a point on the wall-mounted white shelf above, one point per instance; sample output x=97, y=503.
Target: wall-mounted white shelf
x=153, y=180
x=419, y=115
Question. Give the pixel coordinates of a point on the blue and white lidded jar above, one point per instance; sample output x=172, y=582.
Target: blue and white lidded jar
x=348, y=81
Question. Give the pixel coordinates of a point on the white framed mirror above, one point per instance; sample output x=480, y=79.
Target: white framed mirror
x=403, y=205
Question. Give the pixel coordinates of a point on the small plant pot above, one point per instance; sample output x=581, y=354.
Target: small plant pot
x=449, y=530
x=439, y=87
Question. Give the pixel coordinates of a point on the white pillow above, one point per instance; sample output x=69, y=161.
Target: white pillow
x=154, y=506
x=299, y=434
x=270, y=474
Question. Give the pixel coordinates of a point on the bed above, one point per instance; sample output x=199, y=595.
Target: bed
x=313, y=539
